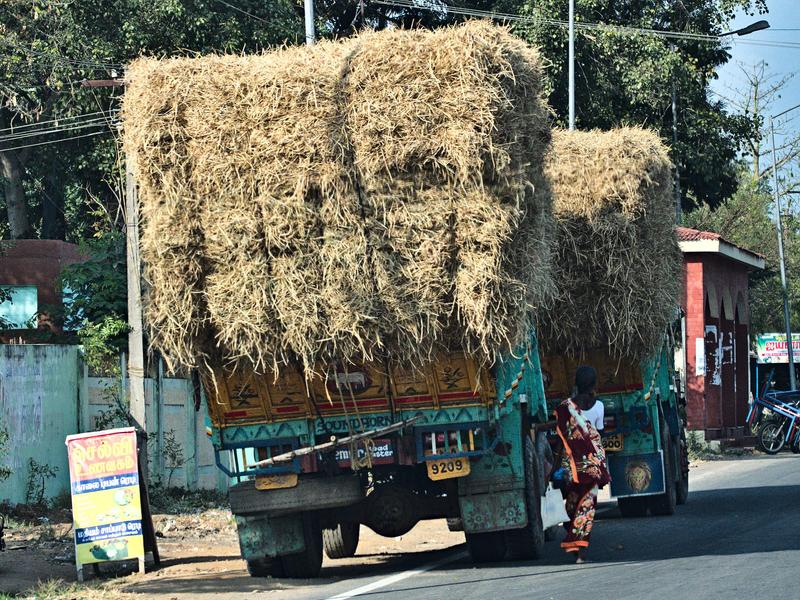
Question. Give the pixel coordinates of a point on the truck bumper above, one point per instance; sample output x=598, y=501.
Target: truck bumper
x=311, y=493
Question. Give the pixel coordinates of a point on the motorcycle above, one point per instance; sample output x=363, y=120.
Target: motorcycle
x=781, y=423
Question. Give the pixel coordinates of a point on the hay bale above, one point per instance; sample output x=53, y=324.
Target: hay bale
x=616, y=258
x=352, y=198
x=454, y=119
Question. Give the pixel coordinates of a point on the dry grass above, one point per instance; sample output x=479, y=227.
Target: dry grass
x=616, y=257
x=381, y=195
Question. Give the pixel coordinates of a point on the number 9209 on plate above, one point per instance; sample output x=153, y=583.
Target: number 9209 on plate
x=448, y=468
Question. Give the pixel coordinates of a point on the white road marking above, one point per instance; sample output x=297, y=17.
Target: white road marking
x=375, y=585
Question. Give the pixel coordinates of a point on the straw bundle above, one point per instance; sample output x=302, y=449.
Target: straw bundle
x=616, y=257
x=334, y=202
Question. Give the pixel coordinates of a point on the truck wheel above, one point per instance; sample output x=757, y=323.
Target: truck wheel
x=342, y=541
x=265, y=567
x=486, y=547
x=528, y=542
x=308, y=563
x=632, y=507
x=682, y=484
x=663, y=505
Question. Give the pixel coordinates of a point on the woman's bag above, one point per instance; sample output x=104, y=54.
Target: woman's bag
x=553, y=511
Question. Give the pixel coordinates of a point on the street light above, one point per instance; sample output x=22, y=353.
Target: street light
x=752, y=28
x=778, y=224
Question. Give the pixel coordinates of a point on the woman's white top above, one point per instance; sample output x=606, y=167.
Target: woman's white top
x=595, y=415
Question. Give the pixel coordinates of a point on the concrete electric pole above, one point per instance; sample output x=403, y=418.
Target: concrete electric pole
x=310, y=35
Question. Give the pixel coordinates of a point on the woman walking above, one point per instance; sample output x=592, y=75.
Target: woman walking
x=583, y=462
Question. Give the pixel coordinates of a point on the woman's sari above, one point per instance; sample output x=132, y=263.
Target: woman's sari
x=584, y=460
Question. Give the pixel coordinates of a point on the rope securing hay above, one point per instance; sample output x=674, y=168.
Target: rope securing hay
x=379, y=195
x=616, y=257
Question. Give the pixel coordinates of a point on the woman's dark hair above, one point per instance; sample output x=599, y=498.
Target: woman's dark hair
x=585, y=382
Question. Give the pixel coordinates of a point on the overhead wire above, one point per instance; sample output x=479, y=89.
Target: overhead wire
x=244, y=12
x=585, y=25
x=57, y=119
x=56, y=58
x=101, y=122
x=66, y=139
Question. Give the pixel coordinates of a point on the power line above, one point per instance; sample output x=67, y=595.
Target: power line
x=621, y=29
x=244, y=12
x=66, y=139
x=49, y=131
x=64, y=60
x=57, y=119
x=81, y=124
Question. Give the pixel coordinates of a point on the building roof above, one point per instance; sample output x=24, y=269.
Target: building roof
x=696, y=241
x=686, y=234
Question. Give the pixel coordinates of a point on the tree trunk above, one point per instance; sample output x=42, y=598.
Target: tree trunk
x=13, y=172
x=53, y=226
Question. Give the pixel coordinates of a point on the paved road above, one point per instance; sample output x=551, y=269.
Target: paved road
x=738, y=537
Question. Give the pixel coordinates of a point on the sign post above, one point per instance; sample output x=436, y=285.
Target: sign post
x=771, y=348
x=106, y=499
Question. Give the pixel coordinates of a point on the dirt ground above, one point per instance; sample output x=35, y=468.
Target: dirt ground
x=199, y=556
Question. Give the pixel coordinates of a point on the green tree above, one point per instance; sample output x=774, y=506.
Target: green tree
x=746, y=220
x=48, y=46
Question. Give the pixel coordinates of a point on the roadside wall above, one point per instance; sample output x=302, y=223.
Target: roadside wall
x=46, y=393
x=38, y=408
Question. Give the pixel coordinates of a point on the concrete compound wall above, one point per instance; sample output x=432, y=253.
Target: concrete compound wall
x=46, y=394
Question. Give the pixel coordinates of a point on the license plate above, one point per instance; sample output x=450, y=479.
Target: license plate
x=276, y=482
x=448, y=468
x=613, y=443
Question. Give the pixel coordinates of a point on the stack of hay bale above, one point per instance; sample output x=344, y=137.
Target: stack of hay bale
x=616, y=258
x=378, y=197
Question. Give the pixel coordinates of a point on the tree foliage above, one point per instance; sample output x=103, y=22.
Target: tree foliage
x=746, y=220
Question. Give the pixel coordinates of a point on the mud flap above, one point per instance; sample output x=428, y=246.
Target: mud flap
x=636, y=474
x=497, y=511
x=261, y=536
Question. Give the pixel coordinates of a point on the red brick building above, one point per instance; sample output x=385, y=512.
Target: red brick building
x=715, y=301
x=30, y=271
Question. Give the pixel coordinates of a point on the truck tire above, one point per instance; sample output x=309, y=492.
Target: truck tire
x=663, y=505
x=265, y=567
x=486, y=547
x=682, y=484
x=527, y=543
x=308, y=563
x=633, y=506
x=342, y=541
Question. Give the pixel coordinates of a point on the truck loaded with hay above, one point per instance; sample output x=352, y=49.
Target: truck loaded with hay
x=355, y=244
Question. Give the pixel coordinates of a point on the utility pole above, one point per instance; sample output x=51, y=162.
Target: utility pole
x=135, y=340
x=678, y=195
x=310, y=35
x=779, y=225
x=572, y=64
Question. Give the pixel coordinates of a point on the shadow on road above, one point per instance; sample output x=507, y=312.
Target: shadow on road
x=719, y=522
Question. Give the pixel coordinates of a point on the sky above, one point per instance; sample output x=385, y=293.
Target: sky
x=783, y=15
